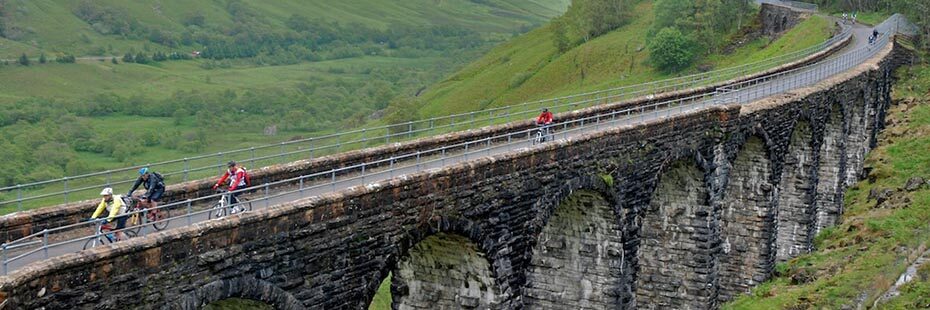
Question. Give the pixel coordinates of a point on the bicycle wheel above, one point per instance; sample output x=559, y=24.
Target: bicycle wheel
x=217, y=211
x=92, y=242
x=130, y=234
x=158, y=218
x=245, y=204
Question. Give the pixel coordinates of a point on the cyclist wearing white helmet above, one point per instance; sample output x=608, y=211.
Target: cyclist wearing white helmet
x=115, y=208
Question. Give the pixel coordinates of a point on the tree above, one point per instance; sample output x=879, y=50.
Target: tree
x=24, y=60
x=66, y=59
x=128, y=58
x=559, y=37
x=140, y=58
x=114, y=61
x=42, y=58
x=671, y=50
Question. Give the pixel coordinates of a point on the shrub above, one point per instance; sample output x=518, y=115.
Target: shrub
x=671, y=50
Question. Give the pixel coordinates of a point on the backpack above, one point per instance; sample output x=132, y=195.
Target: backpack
x=248, y=178
x=159, y=180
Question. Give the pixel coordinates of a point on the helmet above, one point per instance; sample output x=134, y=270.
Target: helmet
x=230, y=163
x=106, y=191
x=545, y=109
x=143, y=170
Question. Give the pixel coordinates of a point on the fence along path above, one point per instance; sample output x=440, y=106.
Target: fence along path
x=75, y=188
x=72, y=237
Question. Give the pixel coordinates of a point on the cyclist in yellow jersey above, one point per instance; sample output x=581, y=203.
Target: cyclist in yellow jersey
x=116, y=210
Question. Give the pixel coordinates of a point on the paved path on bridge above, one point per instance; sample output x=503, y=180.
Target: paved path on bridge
x=749, y=94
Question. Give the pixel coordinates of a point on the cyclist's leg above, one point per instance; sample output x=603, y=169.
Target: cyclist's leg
x=233, y=198
x=120, y=224
x=153, y=202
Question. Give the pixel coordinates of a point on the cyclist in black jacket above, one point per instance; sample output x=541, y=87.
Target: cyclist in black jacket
x=154, y=187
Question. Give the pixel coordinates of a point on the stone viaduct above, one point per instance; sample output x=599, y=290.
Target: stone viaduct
x=683, y=212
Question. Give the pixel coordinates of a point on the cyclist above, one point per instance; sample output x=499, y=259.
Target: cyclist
x=154, y=185
x=544, y=121
x=238, y=179
x=115, y=208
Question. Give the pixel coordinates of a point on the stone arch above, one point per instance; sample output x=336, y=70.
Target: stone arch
x=549, y=203
x=747, y=219
x=244, y=287
x=445, y=271
x=577, y=258
x=831, y=164
x=796, y=212
x=675, y=263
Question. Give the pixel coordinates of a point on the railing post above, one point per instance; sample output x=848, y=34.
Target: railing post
x=187, y=168
x=66, y=189
x=332, y=180
x=109, y=177
x=45, y=242
x=189, y=211
x=252, y=157
x=409, y=130
x=283, y=158
x=310, y=146
x=19, y=197
x=300, y=186
x=266, y=196
x=145, y=221
x=3, y=257
x=363, y=173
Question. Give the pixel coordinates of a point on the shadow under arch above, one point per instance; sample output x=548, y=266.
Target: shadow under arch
x=674, y=236
x=442, y=263
x=577, y=256
x=747, y=215
x=831, y=169
x=795, y=213
x=244, y=287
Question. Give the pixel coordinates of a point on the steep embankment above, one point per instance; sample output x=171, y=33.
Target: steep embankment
x=53, y=25
x=529, y=67
x=885, y=226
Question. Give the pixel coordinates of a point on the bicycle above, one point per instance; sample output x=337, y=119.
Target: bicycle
x=222, y=207
x=106, y=235
x=155, y=216
x=542, y=134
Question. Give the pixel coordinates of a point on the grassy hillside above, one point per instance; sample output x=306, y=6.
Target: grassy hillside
x=300, y=67
x=52, y=26
x=861, y=258
x=529, y=67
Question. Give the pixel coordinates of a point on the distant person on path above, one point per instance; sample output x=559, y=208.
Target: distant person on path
x=238, y=179
x=154, y=185
x=545, y=118
x=116, y=210
x=544, y=121
x=845, y=18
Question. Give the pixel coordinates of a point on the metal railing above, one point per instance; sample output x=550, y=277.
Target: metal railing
x=44, y=244
x=75, y=188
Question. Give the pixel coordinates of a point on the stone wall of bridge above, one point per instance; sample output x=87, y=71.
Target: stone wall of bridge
x=21, y=224
x=686, y=213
